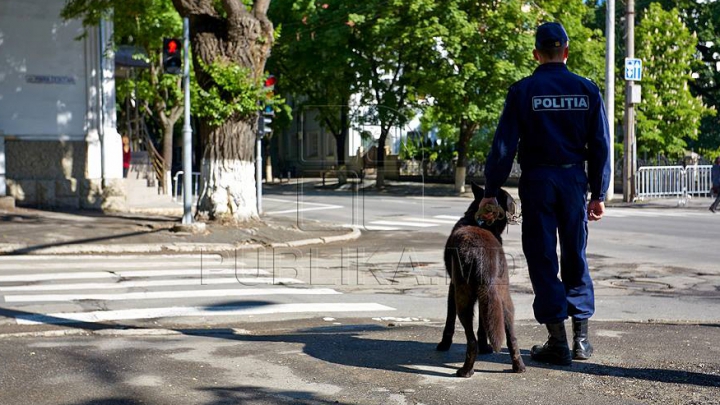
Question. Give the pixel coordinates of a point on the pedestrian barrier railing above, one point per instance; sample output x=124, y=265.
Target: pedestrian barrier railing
x=178, y=190
x=673, y=182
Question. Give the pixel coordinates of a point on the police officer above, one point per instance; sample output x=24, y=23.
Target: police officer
x=557, y=121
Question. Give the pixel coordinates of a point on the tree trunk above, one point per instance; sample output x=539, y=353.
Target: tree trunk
x=167, y=151
x=244, y=37
x=341, y=137
x=380, y=181
x=268, y=161
x=466, y=133
x=228, y=172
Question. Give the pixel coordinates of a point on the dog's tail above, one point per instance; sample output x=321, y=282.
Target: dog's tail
x=493, y=316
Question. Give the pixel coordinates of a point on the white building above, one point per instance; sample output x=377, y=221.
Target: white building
x=58, y=142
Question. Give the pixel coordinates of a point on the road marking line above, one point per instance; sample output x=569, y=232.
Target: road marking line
x=320, y=206
x=152, y=295
x=5, y=267
x=247, y=281
x=171, y=312
x=450, y=217
x=433, y=220
x=328, y=207
x=372, y=228
x=121, y=258
x=295, y=202
x=128, y=274
x=404, y=223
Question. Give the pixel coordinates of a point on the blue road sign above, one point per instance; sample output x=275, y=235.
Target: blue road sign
x=633, y=69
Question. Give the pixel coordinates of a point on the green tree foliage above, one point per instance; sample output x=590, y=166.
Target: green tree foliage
x=314, y=60
x=486, y=46
x=669, y=113
x=587, y=44
x=483, y=48
x=393, y=40
x=703, y=19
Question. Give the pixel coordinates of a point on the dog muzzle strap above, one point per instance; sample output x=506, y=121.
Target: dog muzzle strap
x=489, y=213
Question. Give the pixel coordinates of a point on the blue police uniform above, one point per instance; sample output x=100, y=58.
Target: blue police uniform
x=556, y=121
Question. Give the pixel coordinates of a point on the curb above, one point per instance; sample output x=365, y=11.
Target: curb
x=175, y=247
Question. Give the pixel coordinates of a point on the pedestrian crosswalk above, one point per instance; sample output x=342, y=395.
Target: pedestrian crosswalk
x=655, y=213
x=401, y=222
x=445, y=222
x=68, y=289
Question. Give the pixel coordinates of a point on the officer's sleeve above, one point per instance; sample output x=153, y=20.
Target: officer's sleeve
x=598, y=151
x=502, y=153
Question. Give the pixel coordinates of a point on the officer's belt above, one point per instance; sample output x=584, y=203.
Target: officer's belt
x=566, y=166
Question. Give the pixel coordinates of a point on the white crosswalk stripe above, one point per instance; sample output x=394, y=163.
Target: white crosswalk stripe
x=33, y=288
x=653, y=213
x=152, y=313
x=405, y=222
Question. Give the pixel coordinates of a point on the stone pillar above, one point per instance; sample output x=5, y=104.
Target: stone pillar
x=104, y=187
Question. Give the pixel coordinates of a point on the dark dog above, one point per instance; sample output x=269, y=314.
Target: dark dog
x=475, y=261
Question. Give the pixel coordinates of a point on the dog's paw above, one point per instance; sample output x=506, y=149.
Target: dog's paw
x=465, y=373
x=485, y=349
x=444, y=346
x=518, y=367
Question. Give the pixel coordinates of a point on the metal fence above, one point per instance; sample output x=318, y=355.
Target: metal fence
x=178, y=191
x=673, y=181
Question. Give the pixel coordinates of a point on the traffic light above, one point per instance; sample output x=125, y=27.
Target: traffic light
x=265, y=121
x=269, y=85
x=268, y=113
x=172, y=56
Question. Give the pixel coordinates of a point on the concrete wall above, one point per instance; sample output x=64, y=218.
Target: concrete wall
x=50, y=174
x=57, y=109
x=42, y=71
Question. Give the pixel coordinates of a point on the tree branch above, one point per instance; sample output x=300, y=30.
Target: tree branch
x=175, y=113
x=331, y=127
x=195, y=7
x=260, y=8
x=234, y=9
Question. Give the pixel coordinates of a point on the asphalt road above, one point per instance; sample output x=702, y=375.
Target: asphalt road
x=355, y=361
x=355, y=322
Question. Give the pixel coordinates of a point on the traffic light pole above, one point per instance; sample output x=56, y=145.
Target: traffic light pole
x=629, y=142
x=187, y=130
x=258, y=162
x=610, y=89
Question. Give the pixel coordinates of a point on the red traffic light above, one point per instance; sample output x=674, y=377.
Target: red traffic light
x=270, y=81
x=172, y=46
x=172, y=56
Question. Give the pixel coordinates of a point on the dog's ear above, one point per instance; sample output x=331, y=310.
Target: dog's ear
x=478, y=191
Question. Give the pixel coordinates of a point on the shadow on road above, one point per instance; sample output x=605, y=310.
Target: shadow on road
x=35, y=248
x=348, y=347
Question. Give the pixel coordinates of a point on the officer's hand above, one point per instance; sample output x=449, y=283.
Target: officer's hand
x=595, y=210
x=487, y=200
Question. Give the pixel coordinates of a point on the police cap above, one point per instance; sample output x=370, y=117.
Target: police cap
x=550, y=35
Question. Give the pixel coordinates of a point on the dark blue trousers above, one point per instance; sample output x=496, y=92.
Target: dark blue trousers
x=554, y=205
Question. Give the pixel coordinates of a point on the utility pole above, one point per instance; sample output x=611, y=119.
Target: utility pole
x=610, y=88
x=258, y=162
x=629, y=143
x=187, y=130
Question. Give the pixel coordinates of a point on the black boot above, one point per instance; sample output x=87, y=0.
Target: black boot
x=582, y=349
x=555, y=350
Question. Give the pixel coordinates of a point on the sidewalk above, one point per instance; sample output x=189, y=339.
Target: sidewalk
x=31, y=231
